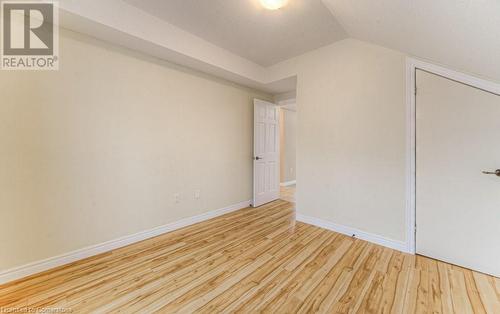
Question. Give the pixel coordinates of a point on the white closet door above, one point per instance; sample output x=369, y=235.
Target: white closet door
x=458, y=206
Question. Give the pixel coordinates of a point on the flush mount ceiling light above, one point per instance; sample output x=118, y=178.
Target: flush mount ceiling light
x=273, y=4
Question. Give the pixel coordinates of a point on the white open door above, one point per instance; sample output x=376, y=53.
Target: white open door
x=266, y=163
x=458, y=206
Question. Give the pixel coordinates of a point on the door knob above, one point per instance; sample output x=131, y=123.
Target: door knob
x=258, y=158
x=497, y=172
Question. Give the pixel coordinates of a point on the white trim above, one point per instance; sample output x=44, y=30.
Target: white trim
x=288, y=183
x=373, y=238
x=287, y=102
x=454, y=75
x=411, y=66
x=410, y=155
x=56, y=261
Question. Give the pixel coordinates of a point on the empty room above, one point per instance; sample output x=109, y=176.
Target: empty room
x=249, y=156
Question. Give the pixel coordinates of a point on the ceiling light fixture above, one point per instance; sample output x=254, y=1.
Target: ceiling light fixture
x=273, y=4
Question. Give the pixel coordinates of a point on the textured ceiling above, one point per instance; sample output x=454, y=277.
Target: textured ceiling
x=246, y=29
x=461, y=34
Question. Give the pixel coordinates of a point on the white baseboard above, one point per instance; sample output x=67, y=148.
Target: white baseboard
x=288, y=183
x=373, y=238
x=56, y=261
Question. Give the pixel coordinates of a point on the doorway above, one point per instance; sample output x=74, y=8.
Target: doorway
x=288, y=149
x=274, y=160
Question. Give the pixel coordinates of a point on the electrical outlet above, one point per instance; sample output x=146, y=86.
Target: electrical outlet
x=177, y=198
x=197, y=194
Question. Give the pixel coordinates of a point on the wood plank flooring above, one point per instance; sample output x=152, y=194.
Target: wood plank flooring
x=287, y=193
x=255, y=260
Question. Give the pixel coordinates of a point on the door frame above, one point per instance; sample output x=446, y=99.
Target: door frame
x=412, y=65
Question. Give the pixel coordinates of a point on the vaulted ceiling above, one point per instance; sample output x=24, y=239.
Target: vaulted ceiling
x=461, y=34
x=238, y=40
x=244, y=27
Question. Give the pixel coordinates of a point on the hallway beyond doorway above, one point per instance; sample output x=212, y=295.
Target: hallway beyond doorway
x=287, y=193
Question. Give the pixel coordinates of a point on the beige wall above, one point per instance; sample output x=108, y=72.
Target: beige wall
x=351, y=137
x=97, y=150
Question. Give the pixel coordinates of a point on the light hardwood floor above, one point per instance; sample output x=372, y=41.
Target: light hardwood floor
x=287, y=193
x=256, y=260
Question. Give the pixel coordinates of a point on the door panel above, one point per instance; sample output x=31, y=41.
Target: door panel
x=266, y=153
x=458, y=207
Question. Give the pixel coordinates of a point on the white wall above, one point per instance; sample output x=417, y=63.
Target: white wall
x=97, y=150
x=351, y=137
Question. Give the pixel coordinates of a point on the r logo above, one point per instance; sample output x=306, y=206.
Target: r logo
x=28, y=28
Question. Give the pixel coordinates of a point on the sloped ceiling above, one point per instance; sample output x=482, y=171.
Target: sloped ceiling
x=461, y=34
x=245, y=28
